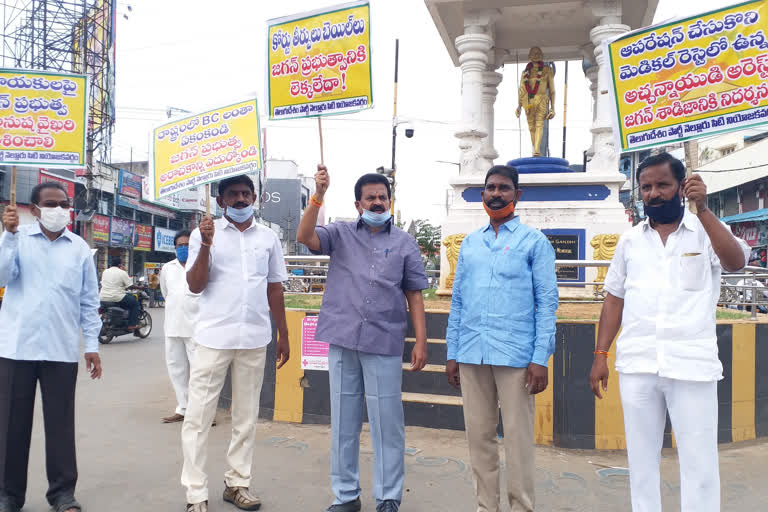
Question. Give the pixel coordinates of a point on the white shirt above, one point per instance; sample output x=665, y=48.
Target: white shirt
x=234, y=312
x=670, y=297
x=181, y=305
x=114, y=281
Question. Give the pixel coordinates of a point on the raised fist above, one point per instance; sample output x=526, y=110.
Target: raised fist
x=207, y=230
x=10, y=219
x=322, y=181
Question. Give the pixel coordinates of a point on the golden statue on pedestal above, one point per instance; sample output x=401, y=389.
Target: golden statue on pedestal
x=537, y=96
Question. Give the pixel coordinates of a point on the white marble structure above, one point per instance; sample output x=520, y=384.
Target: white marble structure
x=480, y=36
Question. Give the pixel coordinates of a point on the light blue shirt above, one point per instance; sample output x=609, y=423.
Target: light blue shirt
x=504, y=298
x=51, y=293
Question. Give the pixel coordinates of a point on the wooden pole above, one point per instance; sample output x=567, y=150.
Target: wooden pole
x=208, y=199
x=13, y=186
x=691, y=148
x=320, y=132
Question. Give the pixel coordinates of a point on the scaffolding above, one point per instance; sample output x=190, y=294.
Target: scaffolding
x=73, y=36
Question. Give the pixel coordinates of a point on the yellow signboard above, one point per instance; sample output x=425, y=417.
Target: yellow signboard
x=691, y=77
x=43, y=118
x=205, y=147
x=319, y=62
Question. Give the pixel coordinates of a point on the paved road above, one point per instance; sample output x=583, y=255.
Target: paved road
x=129, y=461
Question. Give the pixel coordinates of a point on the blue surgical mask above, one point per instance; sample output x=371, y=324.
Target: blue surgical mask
x=182, y=253
x=241, y=215
x=666, y=212
x=376, y=220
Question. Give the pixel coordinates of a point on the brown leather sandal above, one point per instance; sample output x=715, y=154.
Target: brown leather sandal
x=241, y=498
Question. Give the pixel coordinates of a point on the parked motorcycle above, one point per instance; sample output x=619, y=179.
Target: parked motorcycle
x=114, y=318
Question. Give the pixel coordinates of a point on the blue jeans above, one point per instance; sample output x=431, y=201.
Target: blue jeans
x=354, y=375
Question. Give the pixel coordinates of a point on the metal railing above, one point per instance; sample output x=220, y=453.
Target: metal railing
x=745, y=290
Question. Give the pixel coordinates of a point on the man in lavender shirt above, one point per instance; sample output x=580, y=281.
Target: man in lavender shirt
x=375, y=268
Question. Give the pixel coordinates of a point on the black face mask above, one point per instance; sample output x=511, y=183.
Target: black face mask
x=666, y=212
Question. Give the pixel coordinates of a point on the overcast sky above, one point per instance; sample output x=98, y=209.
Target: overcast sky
x=198, y=54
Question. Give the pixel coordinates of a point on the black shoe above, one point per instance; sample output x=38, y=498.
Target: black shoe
x=350, y=506
x=388, y=506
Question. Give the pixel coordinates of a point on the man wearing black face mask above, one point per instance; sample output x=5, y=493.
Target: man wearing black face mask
x=237, y=267
x=662, y=290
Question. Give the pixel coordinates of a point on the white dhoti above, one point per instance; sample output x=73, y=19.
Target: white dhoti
x=692, y=407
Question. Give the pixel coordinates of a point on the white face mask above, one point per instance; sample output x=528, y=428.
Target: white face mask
x=54, y=219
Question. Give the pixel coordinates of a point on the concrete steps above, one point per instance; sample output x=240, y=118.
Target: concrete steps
x=428, y=399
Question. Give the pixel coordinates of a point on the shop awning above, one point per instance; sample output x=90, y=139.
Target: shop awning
x=755, y=215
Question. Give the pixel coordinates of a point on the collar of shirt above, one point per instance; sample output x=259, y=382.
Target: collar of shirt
x=511, y=225
x=36, y=230
x=387, y=226
x=687, y=222
x=229, y=224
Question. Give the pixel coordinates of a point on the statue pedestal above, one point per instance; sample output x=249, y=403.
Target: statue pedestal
x=574, y=209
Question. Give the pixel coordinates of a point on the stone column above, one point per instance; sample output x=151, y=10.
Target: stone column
x=491, y=81
x=606, y=158
x=589, y=66
x=473, y=48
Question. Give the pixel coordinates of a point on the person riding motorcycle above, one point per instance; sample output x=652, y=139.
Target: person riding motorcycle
x=114, y=283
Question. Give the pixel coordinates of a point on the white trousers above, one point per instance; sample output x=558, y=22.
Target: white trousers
x=692, y=408
x=209, y=370
x=178, y=354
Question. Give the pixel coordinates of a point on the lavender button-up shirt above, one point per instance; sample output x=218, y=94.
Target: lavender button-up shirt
x=364, y=302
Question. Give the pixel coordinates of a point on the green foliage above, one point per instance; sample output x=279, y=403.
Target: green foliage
x=428, y=237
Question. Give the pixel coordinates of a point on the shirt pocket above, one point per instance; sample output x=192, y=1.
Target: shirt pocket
x=70, y=277
x=257, y=262
x=692, y=271
x=389, y=265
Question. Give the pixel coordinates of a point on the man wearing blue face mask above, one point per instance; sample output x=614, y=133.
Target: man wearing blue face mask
x=662, y=290
x=237, y=267
x=181, y=309
x=375, y=268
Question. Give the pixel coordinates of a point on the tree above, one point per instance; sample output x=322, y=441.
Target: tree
x=428, y=238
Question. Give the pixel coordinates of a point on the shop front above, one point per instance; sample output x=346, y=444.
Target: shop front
x=752, y=227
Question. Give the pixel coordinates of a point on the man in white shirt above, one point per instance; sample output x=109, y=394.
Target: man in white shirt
x=237, y=266
x=114, y=283
x=181, y=309
x=662, y=290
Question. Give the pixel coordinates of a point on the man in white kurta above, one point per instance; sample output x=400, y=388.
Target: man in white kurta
x=237, y=266
x=662, y=290
x=181, y=309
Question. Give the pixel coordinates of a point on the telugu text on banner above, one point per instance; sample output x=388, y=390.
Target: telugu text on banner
x=205, y=147
x=691, y=77
x=43, y=117
x=319, y=63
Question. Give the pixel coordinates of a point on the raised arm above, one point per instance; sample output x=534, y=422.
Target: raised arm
x=306, y=233
x=733, y=255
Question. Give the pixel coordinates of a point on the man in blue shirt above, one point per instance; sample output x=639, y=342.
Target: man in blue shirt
x=375, y=268
x=501, y=333
x=51, y=296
